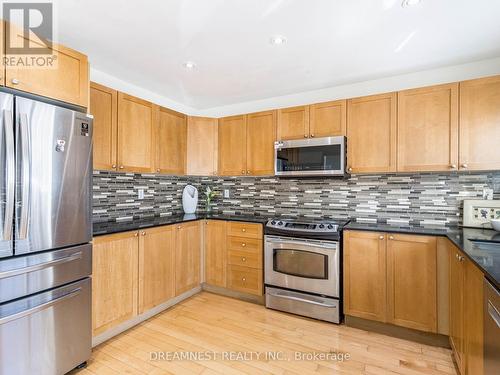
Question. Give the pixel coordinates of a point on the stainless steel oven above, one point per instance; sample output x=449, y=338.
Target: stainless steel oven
x=311, y=157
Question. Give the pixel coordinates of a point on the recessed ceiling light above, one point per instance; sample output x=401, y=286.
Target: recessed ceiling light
x=278, y=39
x=409, y=3
x=189, y=65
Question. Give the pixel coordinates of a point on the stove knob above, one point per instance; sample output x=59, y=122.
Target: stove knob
x=330, y=226
x=321, y=226
x=273, y=222
x=280, y=223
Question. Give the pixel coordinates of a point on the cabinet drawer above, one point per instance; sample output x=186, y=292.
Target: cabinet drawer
x=245, y=258
x=248, y=230
x=245, y=279
x=250, y=245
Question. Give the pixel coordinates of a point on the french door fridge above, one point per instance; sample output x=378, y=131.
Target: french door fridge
x=45, y=234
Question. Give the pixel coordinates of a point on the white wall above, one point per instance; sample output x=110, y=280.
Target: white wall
x=394, y=83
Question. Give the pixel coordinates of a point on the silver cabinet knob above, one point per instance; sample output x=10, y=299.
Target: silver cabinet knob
x=243, y=279
x=453, y=166
x=465, y=166
x=312, y=135
x=15, y=81
x=306, y=136
x=381, y=237
x=179, y=227
x=158, y=170
x=349, y=169
x=242, y=172
x=113, y=166
x=248, y=172
x=121, y=166
x=243, y=244
x=244, y=259
x=243, y=230
x=136, y=234
x=391, y=237
x=143, y=233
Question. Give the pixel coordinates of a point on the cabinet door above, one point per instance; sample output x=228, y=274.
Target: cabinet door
x=156, y=266
x=371, y=134
x=328, y=119
x=104, y=108
x=67, y=80
x=136, y=128
x=171, y=142
x=201, y=146
x=232, y=146
x=479, y=124
x=114, y=280
x=293, y=123
x=261, y=135
x=473, y=318
x=428, y=129
x=215, y=252
x=412, y=281
x=457, y=278
x=187, y=257
x=365, y=275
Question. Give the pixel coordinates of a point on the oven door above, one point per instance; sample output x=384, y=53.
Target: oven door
x=311, y=157
x=305, y=265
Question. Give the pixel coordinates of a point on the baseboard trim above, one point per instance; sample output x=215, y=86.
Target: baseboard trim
x=427, y=338
x=122, y=327
x=260, y=300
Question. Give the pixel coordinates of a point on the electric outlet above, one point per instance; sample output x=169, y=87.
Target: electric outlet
x=140, y=193
x=487, y=193
x=226, y=193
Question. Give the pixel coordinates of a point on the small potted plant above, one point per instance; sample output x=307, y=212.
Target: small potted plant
x=210, y=195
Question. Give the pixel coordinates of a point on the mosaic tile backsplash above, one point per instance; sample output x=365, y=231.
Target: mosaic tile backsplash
x=425, y=199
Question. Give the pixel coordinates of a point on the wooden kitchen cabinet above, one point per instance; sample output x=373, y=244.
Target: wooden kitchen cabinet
x=260, y=138
x=202, y=139
x=232, y=146
x=67, y=80
x=428, y=129
x=293, y=123
x=328, y=119
x=365, y=291
x=215, y=252
x=104, y=108
x=136, y=134
x=114, y=280
x=479, y=124
x=411, y=281
x=156, y=266
x=457, y=280
x=171, y=142
x=2, y=51
x=187, y=256
x=371, y=134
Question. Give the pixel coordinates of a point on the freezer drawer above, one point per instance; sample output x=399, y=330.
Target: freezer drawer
x=53, y=180
x=48, y=333
x=21, y=276
x=316, y=307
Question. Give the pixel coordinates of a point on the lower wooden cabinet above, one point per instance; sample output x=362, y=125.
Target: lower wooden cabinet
x=245, y=279
x=215, y=252
x=391, y=278
x=156, y=266
x=114, y=280
x=187, y=256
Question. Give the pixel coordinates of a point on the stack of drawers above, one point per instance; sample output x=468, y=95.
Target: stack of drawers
x=244, y=257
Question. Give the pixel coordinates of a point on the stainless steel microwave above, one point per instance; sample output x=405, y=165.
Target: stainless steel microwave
x=311, y=157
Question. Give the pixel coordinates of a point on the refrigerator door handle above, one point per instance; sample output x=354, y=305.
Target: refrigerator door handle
x=25, y=185
x=10, y=174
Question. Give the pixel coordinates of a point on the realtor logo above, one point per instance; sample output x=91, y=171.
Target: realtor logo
x=30, y=28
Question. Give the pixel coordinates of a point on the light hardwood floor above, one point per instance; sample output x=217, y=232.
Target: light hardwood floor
x=209, y=322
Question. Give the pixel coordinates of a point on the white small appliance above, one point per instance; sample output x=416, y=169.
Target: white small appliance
x=189, y=199
x=480, y=213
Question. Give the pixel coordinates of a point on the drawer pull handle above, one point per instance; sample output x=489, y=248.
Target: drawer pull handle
x=15, y=81
x=244, y=259
x=243, y=279
x=243, y=230
x=243, y=244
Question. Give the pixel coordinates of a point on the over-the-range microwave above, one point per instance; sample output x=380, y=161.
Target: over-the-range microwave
x=311, y=157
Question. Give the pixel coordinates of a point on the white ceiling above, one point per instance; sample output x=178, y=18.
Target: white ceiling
x=329, y=42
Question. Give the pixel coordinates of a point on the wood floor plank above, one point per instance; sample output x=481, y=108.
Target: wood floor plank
x=216, y=324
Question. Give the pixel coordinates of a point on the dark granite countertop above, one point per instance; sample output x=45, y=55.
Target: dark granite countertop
x=109, y=227
x=482, y=246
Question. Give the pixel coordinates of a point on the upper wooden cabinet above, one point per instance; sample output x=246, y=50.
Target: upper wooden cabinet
x=67, y=80
x=136, y=134
x=187, y=256
x=327, y=119
x=411, y=281
x=232, y=145
x=261, y=135
x=428, y=129
x=371, y=133
x=365, y=287
x=202, y=138
x=156, y=266
x=480, y=124
x=114, y=280
x=215, y=252
x=293, y=123
x=103, y=106
x=171, y=142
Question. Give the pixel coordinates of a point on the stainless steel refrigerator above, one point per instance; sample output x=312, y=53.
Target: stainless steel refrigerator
x=45, y=234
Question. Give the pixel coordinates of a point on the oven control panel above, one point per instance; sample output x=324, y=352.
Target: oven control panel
x=294, y=226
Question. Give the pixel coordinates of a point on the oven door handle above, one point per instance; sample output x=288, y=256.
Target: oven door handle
x=293, y=298
x=333, y=246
